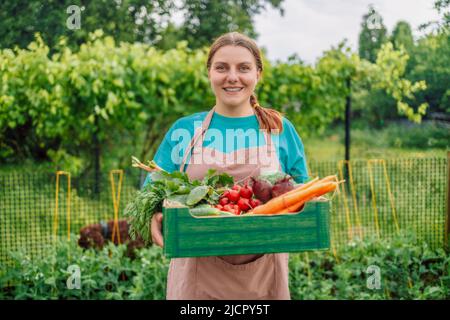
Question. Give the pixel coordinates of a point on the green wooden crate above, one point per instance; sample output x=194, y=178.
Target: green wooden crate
x=188, y=236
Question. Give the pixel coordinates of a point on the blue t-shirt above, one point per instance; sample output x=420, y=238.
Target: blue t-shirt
x=288, y=145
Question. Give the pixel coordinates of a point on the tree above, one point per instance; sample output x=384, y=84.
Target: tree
x=144, y=21
x=51, y=106
x=169, y=37
x=402, y=36
x=125, y=20
x=207, y=19
x=372, y=36
x=430, y=62
x=377, y=105
x=443, y=24
x=443, y=8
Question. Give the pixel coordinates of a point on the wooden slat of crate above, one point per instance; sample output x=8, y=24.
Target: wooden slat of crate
x=187, y=236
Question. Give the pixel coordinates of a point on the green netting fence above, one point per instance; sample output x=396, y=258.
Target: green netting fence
x=382, y=197
x=379, y=198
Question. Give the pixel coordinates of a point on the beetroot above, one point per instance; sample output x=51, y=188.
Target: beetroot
x=262, y=189
x=282, y=186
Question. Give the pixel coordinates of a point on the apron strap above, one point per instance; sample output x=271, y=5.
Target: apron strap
x=199, y=133
x=205, y=125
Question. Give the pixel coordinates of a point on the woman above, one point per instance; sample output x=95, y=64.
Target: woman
x=234, y=68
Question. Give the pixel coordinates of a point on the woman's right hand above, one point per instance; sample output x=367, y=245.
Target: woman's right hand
x=156, y=229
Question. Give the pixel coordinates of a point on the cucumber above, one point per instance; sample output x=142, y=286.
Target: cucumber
x=205, y=211
x=225, y=213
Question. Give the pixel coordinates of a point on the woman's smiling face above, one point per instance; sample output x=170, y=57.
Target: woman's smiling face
x=233, y=75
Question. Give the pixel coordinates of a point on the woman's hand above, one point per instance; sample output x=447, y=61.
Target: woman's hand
x=156, y=229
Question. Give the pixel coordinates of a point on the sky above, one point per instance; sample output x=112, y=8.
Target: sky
x=310, y=27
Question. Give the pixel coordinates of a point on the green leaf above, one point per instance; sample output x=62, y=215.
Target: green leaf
x=50, y=281
x=196, y=195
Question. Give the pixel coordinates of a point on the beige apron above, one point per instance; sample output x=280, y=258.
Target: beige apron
x=235, y=277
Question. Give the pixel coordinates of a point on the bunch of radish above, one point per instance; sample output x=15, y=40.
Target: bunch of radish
x=238, y=200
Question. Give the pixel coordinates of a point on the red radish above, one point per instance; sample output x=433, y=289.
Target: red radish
x=236, y=187
x=254, y=203
x=243, y=204
x=220, y=207
x=228, y=208
x=225, y=194
x=237, y=210
x=224, y=201
x=234, y=196
x=246, y=192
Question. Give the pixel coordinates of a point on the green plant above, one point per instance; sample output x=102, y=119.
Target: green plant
x=107, y=274
x=107, y=94
x=408, y=269
x=175, y=186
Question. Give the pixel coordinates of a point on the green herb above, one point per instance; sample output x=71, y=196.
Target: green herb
x=174, y=186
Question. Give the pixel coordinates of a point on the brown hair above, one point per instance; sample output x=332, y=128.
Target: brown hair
x=269, y=119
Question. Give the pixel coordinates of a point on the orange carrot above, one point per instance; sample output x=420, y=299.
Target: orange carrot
x=329, y=178
x=310, y=183
x=302, y=187
x=294, y=208
x=299, y=206
x=284, y=201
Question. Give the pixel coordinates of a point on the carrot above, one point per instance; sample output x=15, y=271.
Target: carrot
x=286, y=200
x=298, y=206
x=294, y=208
x=303, y=186
x=310, y=183
x=329, y=178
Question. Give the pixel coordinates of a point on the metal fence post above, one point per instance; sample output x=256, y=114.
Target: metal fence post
x=447, y=217
x=348, y=106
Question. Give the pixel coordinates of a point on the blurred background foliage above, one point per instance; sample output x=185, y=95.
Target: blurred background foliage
x=113, y=87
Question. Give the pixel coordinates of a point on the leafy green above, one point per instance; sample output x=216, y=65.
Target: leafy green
x=174, y=186
x=273, y=176
x=409, y=270
x=212, y=179
x=197, y=194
